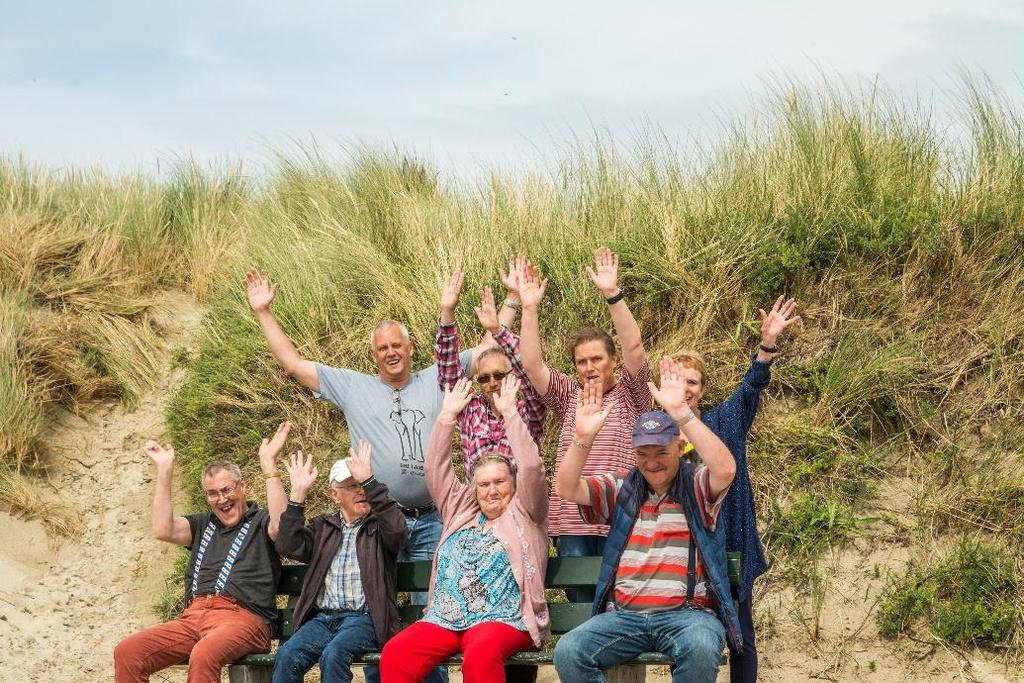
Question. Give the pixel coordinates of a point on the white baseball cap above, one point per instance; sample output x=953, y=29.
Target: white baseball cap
x=339, y=472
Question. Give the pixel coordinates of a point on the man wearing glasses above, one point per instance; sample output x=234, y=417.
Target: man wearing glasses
x=394, y=410
x=231, y=577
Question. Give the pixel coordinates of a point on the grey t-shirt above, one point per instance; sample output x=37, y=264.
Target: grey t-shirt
x=254, y=575
x=396, y=422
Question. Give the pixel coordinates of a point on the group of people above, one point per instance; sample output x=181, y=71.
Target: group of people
x=661, y=495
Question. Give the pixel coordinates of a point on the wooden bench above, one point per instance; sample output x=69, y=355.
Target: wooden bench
x=562, y=573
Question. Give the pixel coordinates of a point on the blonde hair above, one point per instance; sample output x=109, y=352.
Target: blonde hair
x=689, y=358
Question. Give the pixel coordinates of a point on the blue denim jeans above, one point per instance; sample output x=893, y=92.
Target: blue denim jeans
x=332, y=639
x=421, y=544
x=693, y=637
x=580, y=546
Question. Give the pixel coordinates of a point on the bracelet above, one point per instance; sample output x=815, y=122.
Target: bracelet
x=582, y=444
x=682, y=422
x=768, y=349
x=615, y=298
x=511, y=303
x=271, y=475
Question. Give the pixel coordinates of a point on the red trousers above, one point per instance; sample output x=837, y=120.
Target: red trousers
x=417, y=650
x=213, y=631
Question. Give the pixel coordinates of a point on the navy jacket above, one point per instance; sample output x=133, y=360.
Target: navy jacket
x=710, y=544
x=730, y=420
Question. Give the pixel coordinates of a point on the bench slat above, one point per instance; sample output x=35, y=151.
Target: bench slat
x=563, y=572
x=531, y=658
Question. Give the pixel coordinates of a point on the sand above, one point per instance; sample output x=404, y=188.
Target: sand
x=65, y=603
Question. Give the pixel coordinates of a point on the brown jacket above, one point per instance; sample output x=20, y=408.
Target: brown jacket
x=377, y=544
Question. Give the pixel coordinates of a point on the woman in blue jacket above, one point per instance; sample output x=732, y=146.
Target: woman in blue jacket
x=731, y=421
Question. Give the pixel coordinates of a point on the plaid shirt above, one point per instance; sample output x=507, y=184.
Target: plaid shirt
x=480, y=430
x=343, y=585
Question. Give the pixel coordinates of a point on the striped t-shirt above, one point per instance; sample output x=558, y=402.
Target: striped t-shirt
x=612, y=449
x=651, y=575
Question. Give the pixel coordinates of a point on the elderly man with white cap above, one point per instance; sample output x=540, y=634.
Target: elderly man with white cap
x=339, y=615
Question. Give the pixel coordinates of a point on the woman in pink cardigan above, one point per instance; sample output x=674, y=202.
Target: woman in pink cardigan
x=487, y=588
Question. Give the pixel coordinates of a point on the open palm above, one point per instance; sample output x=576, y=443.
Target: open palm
x=671, y=395
x=605, y=273
x=259, y=290
x=590, y=416
x=301, y=472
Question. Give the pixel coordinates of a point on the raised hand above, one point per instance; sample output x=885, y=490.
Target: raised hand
x=590, y=416
x=531, y=288
x=456, y=398
x=512, y=278
x=259, y=290
x=505, y=399
x=450, y=295
x=672, y=393
x=605, y=274
x=270, y=448
x=301, y=474
x=775, y=322
x=162, y=456
x=487, y=312
x=359, y=461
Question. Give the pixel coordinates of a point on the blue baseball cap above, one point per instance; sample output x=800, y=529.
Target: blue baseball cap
x=654, y=428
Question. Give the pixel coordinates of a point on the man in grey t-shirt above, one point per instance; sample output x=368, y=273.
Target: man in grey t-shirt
x=394, y=410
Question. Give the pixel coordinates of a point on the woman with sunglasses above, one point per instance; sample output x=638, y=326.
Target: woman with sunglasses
x=481, y=426
x=487, y=587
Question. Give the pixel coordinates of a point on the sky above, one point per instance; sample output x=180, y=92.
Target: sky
x=470, y=86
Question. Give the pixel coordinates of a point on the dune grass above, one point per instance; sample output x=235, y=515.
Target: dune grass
x=901, y=240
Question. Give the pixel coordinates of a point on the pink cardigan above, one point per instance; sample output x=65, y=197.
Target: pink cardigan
x=522, y=528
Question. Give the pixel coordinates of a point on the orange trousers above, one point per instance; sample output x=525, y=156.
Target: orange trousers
x=213, y=631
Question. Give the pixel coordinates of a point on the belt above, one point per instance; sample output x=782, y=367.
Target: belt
x=417, y=512
x=336, y=612
x=215, y=595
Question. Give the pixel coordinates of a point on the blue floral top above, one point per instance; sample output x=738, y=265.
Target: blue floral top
x=474, y=583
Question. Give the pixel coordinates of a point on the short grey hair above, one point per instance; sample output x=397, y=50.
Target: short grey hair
x=383, y=325
x=490, y=459
x=223, y=466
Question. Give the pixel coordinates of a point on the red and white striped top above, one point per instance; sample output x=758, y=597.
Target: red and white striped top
x=652, y=571
x=612, y=449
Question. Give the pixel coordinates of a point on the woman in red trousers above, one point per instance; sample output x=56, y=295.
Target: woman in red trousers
x=487, y=588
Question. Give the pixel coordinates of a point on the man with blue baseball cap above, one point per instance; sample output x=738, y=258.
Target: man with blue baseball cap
x=663, y=584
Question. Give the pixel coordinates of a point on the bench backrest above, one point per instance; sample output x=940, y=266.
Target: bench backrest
x=562, y=572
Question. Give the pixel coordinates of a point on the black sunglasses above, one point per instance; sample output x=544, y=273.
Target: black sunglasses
x=486, y=377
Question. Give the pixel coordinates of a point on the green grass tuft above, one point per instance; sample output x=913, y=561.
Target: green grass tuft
x=968, y=598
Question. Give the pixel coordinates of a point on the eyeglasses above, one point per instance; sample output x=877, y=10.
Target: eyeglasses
x=354, y=486
x=396, y=400
x=485, y=377
x=222, y=493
